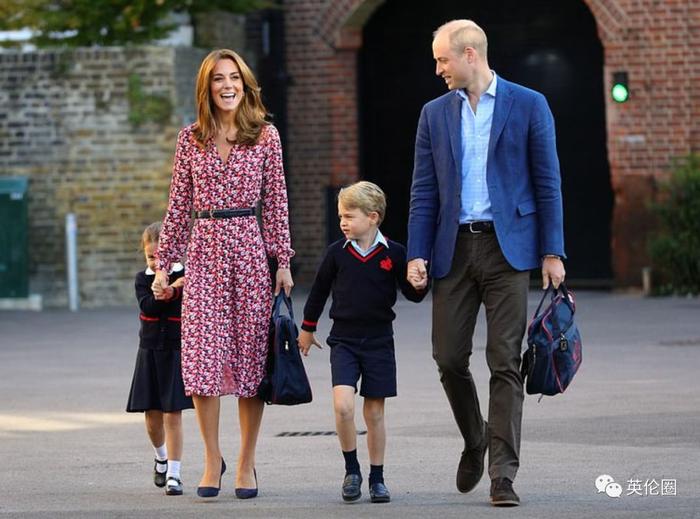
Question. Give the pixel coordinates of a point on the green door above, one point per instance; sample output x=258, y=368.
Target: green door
x=14, y=279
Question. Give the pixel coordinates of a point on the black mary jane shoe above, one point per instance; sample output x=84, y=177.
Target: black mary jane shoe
x=378, y=493
x=248, y=493
x=212, y=491
x=352, y=487
x=159, y=477
x=173, y=487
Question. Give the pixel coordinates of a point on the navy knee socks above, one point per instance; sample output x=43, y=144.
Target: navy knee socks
x=376, y=474
x=352, y=466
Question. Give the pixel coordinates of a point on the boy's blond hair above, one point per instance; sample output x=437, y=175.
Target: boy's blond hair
x=365, y=196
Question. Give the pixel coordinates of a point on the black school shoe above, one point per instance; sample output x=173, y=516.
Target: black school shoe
x=173, y=487
x=378, y=493
x=159, y=477
x=352, y=487
x=502, y=493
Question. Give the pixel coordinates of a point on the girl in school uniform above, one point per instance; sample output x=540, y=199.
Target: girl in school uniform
x=157, y=388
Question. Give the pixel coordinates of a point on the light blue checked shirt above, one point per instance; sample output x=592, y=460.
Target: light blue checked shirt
x=476, y=131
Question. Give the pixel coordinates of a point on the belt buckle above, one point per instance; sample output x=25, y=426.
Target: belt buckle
x=471, y=229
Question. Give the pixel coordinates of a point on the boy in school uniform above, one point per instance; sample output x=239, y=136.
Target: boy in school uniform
x=362, y=271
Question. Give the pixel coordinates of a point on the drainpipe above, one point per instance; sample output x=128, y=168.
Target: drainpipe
x=72, y=261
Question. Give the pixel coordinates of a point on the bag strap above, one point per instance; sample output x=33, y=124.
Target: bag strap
x=567, y=300
x=279, y=299
x=539, y=306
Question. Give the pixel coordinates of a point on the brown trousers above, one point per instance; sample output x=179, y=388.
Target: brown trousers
x=480, y=274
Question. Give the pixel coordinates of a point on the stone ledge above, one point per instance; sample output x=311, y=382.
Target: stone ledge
x=33, y=302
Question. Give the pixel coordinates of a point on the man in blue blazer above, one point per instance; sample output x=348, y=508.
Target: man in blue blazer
x=485, y=209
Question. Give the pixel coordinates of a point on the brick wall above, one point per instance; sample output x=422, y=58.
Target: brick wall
x=322, y=123
x=657, y=42
x=64, y=123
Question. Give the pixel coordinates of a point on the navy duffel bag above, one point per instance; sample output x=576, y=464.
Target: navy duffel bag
x=553, y=355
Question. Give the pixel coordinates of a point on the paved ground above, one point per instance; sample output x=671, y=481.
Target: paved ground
x=68, y=449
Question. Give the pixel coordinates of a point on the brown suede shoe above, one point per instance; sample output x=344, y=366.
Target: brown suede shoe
x=502, y=493
x=471, y=464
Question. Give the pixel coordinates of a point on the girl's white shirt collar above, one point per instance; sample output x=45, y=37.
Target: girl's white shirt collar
x=177, y=267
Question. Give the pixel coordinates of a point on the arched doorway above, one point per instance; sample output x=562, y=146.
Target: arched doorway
x=552, y=47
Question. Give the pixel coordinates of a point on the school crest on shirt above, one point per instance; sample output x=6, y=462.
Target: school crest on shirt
x=386, y=264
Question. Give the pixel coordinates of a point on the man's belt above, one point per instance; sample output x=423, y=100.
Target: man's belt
x=225, y=213
x=477, y=227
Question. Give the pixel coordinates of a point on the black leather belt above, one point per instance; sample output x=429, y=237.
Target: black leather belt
x=225, y=213
x=477, y=227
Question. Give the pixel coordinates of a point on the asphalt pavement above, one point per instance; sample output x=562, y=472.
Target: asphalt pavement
x=68, y=449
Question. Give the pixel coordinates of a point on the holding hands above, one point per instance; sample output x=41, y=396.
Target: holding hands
x=417, y=273
x=306, y=339
x=162, y=291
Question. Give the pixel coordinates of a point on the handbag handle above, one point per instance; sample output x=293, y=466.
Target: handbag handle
x=279, y=299
x=565, y=298
x=539, y=306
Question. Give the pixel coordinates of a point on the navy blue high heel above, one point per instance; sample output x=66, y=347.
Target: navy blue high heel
x=248, y=493
x=212, y=491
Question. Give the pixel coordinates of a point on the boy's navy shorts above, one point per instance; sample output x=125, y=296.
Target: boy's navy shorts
x=371, y=358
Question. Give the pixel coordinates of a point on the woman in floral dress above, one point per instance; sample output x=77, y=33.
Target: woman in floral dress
x=229, y=159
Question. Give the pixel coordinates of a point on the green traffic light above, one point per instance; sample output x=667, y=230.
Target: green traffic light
x=620, y=93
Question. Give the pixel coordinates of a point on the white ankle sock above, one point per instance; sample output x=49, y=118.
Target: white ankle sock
x=161, y=455
x=161, y=452
x=174, y=469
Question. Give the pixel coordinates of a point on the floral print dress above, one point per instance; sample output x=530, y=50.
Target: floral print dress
x=227, y=296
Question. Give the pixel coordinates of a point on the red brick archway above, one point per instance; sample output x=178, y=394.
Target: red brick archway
x=657, y=42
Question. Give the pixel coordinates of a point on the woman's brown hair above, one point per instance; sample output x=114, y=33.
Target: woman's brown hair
x=251, y=113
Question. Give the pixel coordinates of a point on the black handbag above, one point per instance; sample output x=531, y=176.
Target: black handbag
x=554, y=350
x=285, y=381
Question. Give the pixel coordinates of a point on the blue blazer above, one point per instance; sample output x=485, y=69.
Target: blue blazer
x=522, y=174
